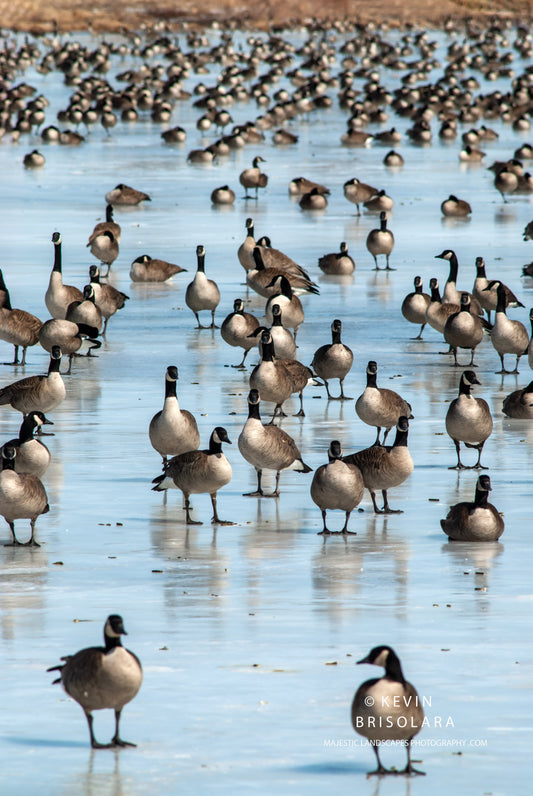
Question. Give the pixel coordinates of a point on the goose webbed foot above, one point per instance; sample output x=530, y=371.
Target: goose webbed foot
x=301, y=413
x=478, y=466
x=217, y=521
x=380, y=771
x=257, y=493
x=458, y=466
x=97, y=745
x=29, y=543
x=274, y=494
x=410, y=771
x=119, y=742
x=388, y=510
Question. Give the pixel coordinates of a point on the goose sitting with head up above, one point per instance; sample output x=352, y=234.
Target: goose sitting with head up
x=477, y=521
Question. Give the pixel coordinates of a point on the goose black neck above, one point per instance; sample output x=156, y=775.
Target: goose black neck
x=253, y=411
x=481, y=270
x=250, y=228
x=57, y=257
x=111, y=642
x=54, y=365
x=465, y=306
x=435, y=295
x=26, y=429
x=454, y=267
x=336, y=336
x=7, y=299
x=418, y=287
x=500, y=305
x=215, y=446
x=95, y=279
x=170, y=388
x=383, y=225
x=258, y=260
x=401, y=438
x=285, y=287
x=482, y=497
x=201, y=262
x=109, y=213
x=267, y=352
x=464, y=387
x=393, y=668
x=276, y=320
x=371, y=379
x=8, y=464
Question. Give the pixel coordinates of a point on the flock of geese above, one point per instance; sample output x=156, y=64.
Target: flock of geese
x=110, y=676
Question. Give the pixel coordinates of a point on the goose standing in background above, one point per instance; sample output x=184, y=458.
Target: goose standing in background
x=468, y=420
x=254, y=177
x=478, y=521
x=106, y=297
x=58, y=296
x=238, y=330
x=267, y=448
x=337, y=263
x=244, y=252
x=31, y=455
x=100, y=678
x=196, y=472
x=333, y=361
x=42, y=393
x=124, y=195
x=463, y=330
x=173, y=430
x=380, y=407
x=109, y=224
x=358, y=192
x=18, y=327
x=519, y=404
x=104, y=247
x=69, y=336
x=151, y=269
x=289, y=304
x=385, y=467
x=414, y=306
x=22, y=496
x=202, y=293
x=337, y=485
x=381, y=241
x=488, y=299
x=507, y=336
x=387, y=709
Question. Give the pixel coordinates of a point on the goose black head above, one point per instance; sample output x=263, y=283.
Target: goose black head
x=447, y=254
x=220, y=435
x=114, y=627
x=172, y=373
x=56, y=352
x=483, y=483
x=253, y=397
x=372, y=367
x=335, y=450
x=56, y=238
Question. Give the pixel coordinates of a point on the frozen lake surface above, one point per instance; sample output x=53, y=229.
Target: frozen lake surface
x=248, y=634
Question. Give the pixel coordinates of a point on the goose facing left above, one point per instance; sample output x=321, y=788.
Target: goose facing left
x=43, y=392
x=18, y=327
x=22, y=496
x=100, y=678
x=58, y=297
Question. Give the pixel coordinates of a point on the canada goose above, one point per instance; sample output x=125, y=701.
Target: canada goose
x=358, y=192
x=301, y=185
x=176, y=135
x=238, y=329
x=471, y=155
x=489, y=299
x=393, y=159
x=337, y=485
x=478, y=521
x=314, y=200
x=267, y=448
x=271, y=378
x=333, y=361
x=124, y=195
x=283, y=137
x=85, y=311
x=468, y=420
x=414, y=306
x=18, y=327
x=378, y=203
x=196, y=472
x=223, y=195
x=380, y=241
x=387, y=709
x=284, y=344
x=438, y=312
x=356, y=138
x=58, y=296
x=22, y=496
x=173, y=430
x=281, y=262
x=378, y=406
x=289, y=304
x=106, y=297
x=100, y=678
x=104, y=247
x=244, y=252
x=507, y=336
x=68, y=335
x=206, y=155
x=31, y=456
x=150, y=269
x=519, y=404
x=34, y=160
x=337, y=263
x=505, y=181
x=455, y=208
x=202, y=293
x=37, y=392
x=254, y=177
x=528, y=231
x=108, y=224
x=261, y=278
x=463, y=330
x=388, y=137
x=451, y=295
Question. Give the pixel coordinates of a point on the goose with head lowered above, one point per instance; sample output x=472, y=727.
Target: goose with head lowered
x=290, y=305
x=100, y=678
x=22, y=496
x=333, y=361
x=196, y=472
x=385, y=467
x=43, y=392
x=173, y=430
x=378, y=406
x=18, y=327
x=414, y=306
x=468, y=420
x=267, y=447
x=387, y=709
x=31, y=456
x=69, y=336
x=125, y=195
x=284, y=344
x=202, y=293
x=476, y=521
x=58, y=296
x=507, y=336
x=337, y=485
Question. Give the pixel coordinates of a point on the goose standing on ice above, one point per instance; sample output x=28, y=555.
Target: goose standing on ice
x=468, y=420
x=18, y=327
x=254, y=177
x=58, y=296
x=414, y=306
x=380, y=407
x=381, y=241
x=238, y=330
x=337, y=485
x=22, y=496
x=202, y=293
x=44, y=392
x=507, y=336
x=173, y=430
x=333, y=361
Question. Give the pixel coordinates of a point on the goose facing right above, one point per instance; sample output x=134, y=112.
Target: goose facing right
x=238, y=329
x=172, y=430
x=100, y=678
x=519, y=404
x=468, y=420
x=337, y=263
x=253, y=177
x=477, y=521
x=43, y=392
x=267, y=447
x=106, y=297
x=463, y=330
x=337, y=485
x=22, y=496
